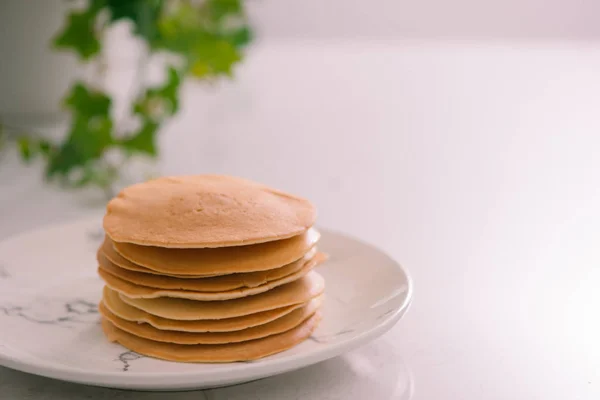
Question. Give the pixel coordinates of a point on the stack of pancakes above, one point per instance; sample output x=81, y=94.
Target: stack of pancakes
x=209, y=269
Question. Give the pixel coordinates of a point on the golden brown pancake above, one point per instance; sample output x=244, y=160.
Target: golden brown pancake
x=220, y=261
x=280, y=325
x=113, y=302
x=135, y=291
x=213, y=353
x=205, y=211
x=299, y=291
x=108, y=250
x=212, y=284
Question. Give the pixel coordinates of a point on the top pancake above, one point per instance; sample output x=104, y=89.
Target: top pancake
x=205, y=211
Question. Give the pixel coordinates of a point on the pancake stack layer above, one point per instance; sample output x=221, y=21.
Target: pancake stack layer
x=209, y=269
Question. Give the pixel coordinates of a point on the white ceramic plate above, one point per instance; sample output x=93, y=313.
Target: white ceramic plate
x=49, y=324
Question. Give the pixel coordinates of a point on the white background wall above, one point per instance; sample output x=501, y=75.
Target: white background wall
x=562, y=19
x=33, y=78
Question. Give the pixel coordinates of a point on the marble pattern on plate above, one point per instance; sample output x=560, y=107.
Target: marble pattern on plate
x=54, y=312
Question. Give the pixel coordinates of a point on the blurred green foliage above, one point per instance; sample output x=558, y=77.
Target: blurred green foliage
x=207, y=35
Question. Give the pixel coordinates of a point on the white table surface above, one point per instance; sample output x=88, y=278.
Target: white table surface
x=475, y=165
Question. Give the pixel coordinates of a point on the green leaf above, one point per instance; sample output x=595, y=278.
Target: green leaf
x=214, y=58
x=31, y=147
x=129, y=9
x=45, y=147
x=80, y=34
x=90, y=133
x=169, y=91
x=25, y=148
x=180, y=29
x=154, y=106
x=240, y=37
x=85, y=102
x=219, y=9
x=160, y=102
x=143, y=14
x=87, y=141
x=144, y=141
x=203, y=38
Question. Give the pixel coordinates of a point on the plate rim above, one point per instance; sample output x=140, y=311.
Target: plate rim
x=195, y=379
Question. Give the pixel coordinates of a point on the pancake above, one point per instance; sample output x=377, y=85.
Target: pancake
x=108, y=250
x=214, y=284
x=213, y=353
x=135, y=291
x=299, y=291
x=205, y=211
x=220, y=261
x=279, y=325
x=113, y=302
